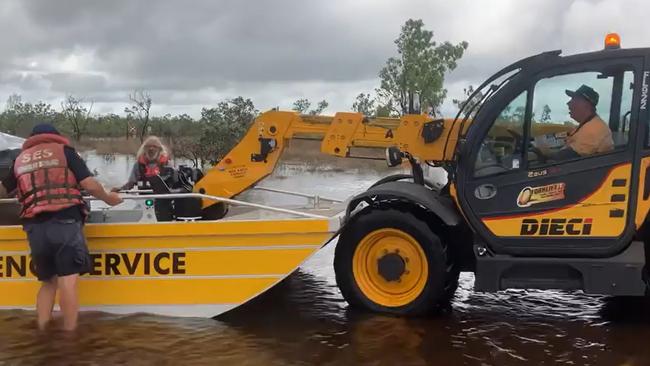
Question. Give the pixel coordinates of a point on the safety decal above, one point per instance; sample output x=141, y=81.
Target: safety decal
x=533, y=195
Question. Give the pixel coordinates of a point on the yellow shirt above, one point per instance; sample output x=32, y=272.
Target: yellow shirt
x=593, y=137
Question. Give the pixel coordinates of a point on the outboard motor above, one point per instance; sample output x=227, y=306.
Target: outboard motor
x=188, y=207
x=8, y=211
x=179, y=180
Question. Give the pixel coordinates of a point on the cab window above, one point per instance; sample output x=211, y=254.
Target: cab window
x=560, y=131
x=502, y=148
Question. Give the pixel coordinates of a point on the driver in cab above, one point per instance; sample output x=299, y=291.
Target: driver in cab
x=592, y=136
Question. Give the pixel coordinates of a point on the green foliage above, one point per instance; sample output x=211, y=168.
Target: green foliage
x=516, y=116
x=414, y=79
x=109, y=125
x=222, y=127
x=470, y=105
x=365, y=104
x=387, y=110
x=20, y=117
x=302, y=106
x=320, y=108
x=205, y=140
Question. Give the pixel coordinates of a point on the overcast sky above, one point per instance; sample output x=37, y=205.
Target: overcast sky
x=190, y=54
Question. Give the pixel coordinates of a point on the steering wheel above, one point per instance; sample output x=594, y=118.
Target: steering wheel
x=535, y=150
x=518, y=139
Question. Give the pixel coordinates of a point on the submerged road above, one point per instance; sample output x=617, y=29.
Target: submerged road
x=305, y=321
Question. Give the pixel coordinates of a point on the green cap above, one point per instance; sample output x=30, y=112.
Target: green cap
x=585, y=92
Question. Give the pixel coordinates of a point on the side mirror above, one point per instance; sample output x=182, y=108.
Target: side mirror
x=393, y=156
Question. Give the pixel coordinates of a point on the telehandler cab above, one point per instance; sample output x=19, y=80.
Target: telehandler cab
x=514, y=218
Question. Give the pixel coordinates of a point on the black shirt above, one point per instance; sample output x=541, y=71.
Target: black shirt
x=80, y=171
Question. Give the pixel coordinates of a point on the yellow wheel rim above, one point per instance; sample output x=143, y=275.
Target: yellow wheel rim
x=409, y=272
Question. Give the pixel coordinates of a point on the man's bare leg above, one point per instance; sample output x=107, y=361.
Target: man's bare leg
x=69, y=300
x=45, y=302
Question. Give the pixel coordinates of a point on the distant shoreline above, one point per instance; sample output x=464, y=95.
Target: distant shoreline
x=108, y=145
x=296, y=151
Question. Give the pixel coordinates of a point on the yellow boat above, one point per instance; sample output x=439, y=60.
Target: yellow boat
x=179, y=268
x=208, y=257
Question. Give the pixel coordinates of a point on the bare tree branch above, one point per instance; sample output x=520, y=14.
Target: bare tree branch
x=141, y=105
x=76, y=114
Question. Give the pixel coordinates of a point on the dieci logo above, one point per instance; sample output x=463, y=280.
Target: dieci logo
x=532, y=195
x=556, y=227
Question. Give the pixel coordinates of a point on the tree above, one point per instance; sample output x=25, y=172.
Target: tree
x=76, y=114
x=191, y=148
x=320, y=108
x=416, y=76
x=471, y=105
x=8, y=118
x=387, y=110
x=20, y=117
x=365, y=104
x=302, y=106
x=13, y=101
x=139, y=110
x=183, y=135
x=109, y=125
x=546, y=114
x=518, y=114
x=222, y=128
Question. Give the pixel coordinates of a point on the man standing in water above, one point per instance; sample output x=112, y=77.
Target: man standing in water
x=48, y=176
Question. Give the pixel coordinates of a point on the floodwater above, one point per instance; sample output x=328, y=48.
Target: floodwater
x=305, y=321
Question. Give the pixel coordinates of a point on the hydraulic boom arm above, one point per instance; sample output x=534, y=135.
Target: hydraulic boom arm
x=257, y=154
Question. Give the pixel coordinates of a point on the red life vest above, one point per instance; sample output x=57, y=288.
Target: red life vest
x=45, y=183
x=151, y=168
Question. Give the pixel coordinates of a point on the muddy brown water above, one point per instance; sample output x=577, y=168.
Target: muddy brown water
x=305, y=321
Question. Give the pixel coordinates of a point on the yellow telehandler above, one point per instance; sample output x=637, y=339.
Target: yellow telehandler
x=508, y=212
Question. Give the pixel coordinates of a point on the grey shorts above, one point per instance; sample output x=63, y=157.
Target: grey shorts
x=58, y=248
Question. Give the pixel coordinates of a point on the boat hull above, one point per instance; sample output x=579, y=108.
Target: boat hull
x=197, y=269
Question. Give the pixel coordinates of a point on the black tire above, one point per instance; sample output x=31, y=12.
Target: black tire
x=442, y=279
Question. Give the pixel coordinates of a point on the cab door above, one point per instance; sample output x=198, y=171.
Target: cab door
x=520, y=203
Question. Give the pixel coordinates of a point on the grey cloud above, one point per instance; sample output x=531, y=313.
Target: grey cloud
x=208, y=42
x=72, y=83
x=23, y=81
x=194, y=52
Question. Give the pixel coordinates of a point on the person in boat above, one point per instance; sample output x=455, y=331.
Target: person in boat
x=47, y=177
x=152, y=157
